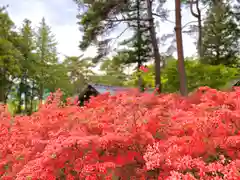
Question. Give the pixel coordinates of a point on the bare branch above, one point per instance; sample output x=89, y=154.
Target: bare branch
x=127, y=19
x=115, y=39
x=191, y=8
x=158, y=15
x=122, y=33
x=189, y=23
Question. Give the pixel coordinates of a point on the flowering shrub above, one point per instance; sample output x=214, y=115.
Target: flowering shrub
x=128, y=136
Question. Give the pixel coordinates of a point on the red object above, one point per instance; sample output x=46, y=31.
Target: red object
x=144, y=68
x=136, y=135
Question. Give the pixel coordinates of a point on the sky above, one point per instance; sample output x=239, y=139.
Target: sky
x=60, y=15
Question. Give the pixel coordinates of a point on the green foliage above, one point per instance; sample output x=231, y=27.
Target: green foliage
x=113, y=71
x=221, y=35
x=198, y=75
x=99, y=19
x=139, y=46
x=60, y=80
x=78, y=70
x=29, y=64
x=47, y=57
x=9, y=55
x=103, y=17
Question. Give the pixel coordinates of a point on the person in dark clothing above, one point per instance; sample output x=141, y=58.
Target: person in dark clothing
x=86, y=94
x=237, y=84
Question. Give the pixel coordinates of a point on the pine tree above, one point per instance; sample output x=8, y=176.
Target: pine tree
x=220, y=35
x=139, y=47
x=181, y=65
x=78, y=70
x=9, y=55
x=27, y=65
x=47, y=53
x=113, y=71
x=109, y=15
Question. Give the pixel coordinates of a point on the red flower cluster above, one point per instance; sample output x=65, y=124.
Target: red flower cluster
x=129, y=136
x=144, y=68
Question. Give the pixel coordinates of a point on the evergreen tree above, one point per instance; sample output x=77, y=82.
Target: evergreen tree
x=181, y=64
x=47, y=53
x=27, y=65
x=109, y=15
x=220, y=35
x=139, y=47
x=79, y=71
x=113, y=69
x=9, y=55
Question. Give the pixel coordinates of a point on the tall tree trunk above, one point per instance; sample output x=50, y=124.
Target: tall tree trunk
x=140, y=80
x=32, y=97
x=41, y=93
x=25, y=95
x=4, y=86
x=20, y=91
x=155, y=47
x=25, y=102
x=9, y=88
x=42, y=78
x=2, y=94
x=199, y=19
x=200, y=36
x=181, y=66
x=26, y=105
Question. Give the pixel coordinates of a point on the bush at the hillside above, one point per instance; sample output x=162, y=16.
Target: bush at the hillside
x=130, y=135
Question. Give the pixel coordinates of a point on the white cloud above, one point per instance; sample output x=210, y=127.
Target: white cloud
x=67, y=37
x=61, y=16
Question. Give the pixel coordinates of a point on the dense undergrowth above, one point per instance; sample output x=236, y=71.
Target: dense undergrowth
x=127, y=136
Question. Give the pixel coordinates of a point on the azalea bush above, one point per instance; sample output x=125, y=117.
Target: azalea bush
x=130, y=135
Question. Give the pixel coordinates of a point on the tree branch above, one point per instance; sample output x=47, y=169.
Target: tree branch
x=127, y=19
x=122, y=33
x=115, y=39
x=158, y=15
x=189, y=23
x=191, y=8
